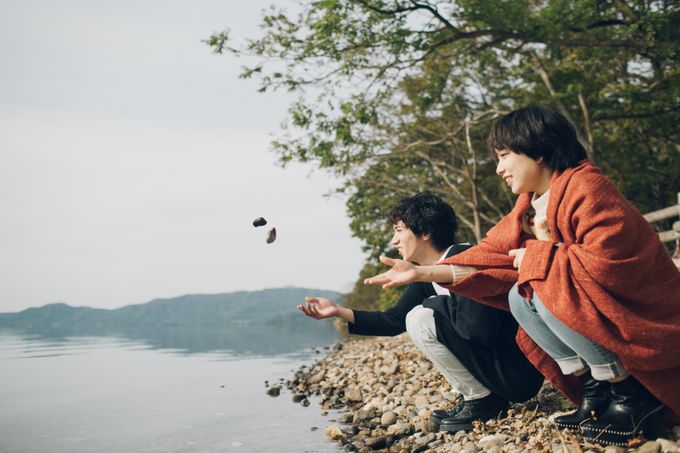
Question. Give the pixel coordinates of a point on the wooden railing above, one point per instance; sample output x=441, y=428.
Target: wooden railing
x=674, y=233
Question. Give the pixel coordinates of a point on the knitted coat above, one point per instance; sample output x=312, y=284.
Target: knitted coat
x=605, y=274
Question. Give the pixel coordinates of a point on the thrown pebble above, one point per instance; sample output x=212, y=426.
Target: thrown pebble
x=271, y=236
x=260, y=221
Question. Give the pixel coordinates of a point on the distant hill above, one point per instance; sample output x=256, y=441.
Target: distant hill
x=269, y=306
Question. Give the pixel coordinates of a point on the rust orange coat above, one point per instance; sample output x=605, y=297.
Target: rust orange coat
x=605, y=274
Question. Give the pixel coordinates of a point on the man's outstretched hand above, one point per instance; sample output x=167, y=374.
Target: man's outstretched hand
x=318, y=308
x=402, y=273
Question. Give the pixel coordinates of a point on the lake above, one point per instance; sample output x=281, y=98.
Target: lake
x=158, y=391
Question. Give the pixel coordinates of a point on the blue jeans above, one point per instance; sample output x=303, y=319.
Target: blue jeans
x=573, y=352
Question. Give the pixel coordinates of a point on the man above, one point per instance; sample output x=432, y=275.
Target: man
x=471, y=344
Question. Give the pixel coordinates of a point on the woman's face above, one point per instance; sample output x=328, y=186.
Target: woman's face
x=522, y=173
x=410, y=246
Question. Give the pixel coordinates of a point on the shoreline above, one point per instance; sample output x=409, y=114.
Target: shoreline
x=387, y=389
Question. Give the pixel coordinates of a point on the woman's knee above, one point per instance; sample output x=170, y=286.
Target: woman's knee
x=518, y=305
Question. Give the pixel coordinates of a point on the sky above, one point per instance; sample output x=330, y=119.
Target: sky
x=133, y=161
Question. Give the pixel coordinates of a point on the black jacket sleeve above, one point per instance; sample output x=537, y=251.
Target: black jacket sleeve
x=391, y=321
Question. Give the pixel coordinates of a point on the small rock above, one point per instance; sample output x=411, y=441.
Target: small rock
x=363, y=414
x=334, y=432
x=492, y=440
x=614, y=449
x=260, y=221
x=421, y=401
x=559, y=448
x=425, y=426
x=271, y=236
x=426, y=439
x=274, y=391
x=459, y=436
x=305, y=402
x=354, y=395
x=470, y=447
x=316, y=378
x=346, y=418
x=400, y=429
x=313, y=428
x=650, y=447
x=377, y=443
x=667, y=445
x=388, y=418
x=299, y=397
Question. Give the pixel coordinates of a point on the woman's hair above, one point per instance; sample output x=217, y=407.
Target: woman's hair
x=538, y=131
x=426, y=213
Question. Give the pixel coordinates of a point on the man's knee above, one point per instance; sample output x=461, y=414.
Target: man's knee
x=419, y=322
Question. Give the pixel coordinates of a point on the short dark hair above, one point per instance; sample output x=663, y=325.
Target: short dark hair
x=427, y=213
x=538, y=131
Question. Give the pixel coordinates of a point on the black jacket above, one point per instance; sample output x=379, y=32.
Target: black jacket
x=471, y=320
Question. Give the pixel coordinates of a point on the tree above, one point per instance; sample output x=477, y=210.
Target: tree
x=396, y=96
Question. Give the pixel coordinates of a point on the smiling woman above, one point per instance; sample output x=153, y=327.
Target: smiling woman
x=595, y=291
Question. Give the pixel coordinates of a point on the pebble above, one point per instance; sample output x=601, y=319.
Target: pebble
x=400, y=429
x=421, y=401
x=668, y=446
x=492, y=440
x=650, y=447
x=271, y=236
x=260, y=221
x=376, y=443
x=274, y=391
x=298, y=397
x=354, y=395
x=388, y=418
x=374, y=404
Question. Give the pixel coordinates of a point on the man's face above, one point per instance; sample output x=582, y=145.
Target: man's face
x=409, y=245
x=522, y=173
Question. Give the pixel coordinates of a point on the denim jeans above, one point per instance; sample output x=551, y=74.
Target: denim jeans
x=573, y=352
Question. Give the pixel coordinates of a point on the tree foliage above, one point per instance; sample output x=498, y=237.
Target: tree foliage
x=396, y=96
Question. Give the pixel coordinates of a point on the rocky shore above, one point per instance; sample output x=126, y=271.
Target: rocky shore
x=384, y=390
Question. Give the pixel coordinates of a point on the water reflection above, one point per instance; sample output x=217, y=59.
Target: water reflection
x=234, y=339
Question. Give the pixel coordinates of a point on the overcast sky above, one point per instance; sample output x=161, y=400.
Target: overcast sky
x=133, y=161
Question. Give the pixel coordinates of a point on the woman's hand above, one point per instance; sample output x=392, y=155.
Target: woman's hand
x=318, y=308
x=402, y=273
x=519, y=256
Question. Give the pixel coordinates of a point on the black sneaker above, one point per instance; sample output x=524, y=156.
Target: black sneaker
x=438, y=415
x=482, y=409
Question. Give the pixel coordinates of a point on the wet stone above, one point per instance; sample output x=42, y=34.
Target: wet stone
x=274, y=391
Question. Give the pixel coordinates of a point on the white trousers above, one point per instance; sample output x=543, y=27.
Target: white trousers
x=420, y=326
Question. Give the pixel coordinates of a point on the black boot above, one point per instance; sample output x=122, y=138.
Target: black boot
x=632, y=411
x=438, y=415
x=594, y=401
x=482, y=409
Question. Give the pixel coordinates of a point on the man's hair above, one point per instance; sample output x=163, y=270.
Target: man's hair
x=538, y=131
x=426, y=213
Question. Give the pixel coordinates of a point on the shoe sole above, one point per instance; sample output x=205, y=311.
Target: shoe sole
x=455, y=428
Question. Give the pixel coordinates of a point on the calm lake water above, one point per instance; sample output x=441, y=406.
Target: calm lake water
x=178, y=392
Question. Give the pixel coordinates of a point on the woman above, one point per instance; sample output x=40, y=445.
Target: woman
x=595, y=292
